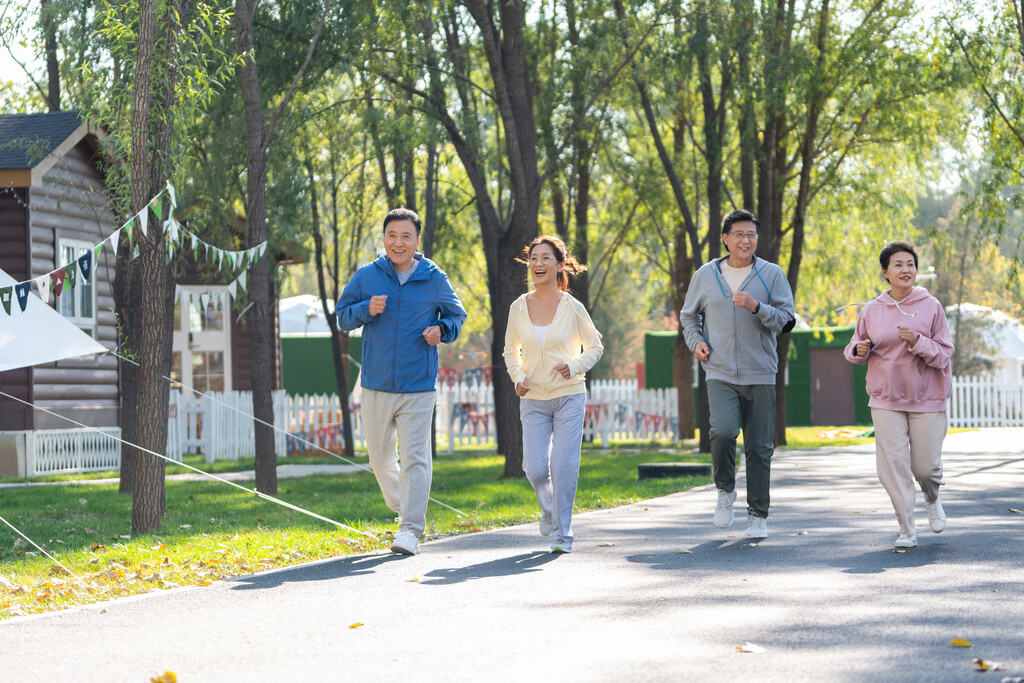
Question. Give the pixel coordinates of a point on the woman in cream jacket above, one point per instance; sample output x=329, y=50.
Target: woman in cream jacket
x=550, y=343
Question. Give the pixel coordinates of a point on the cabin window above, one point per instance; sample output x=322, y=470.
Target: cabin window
x=202, y=349
x=78, y=304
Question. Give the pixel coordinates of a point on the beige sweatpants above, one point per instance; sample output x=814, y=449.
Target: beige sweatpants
x=403, y=469
x=908, y=446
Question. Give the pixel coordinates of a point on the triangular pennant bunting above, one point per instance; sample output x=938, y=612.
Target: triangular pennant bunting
x=170, y=193
x=5, y=298
x=21, y=290
x=232, y=288
x=85, y=265
x=143, y=217
x=157, y=206
x=57, y=277
x=241, y=281
x=70, y=274
x=43, y=285
x=171, y=229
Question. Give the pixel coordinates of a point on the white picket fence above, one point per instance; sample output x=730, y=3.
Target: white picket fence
x=221, y=427
x=218, y=424
x=57, y=451
x=983, y=402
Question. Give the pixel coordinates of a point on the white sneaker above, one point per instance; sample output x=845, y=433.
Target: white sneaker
x=906, y=541
x=757, y=527
x=405, y=543
x=936, y=516
x=559, y=547
x=546, y=525
x=723, y=509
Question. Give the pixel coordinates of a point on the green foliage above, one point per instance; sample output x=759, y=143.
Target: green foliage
x=100, y=84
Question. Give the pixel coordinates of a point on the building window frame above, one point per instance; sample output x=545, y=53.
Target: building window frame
x=78, y=304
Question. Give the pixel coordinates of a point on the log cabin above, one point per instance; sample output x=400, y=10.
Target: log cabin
x=54, y=205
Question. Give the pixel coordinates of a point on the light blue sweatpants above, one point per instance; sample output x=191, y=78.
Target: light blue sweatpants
x=552, y=435
x=405, y=480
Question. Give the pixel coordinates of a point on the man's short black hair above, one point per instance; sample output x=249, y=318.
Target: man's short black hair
x=402, y=215
x=738, y=216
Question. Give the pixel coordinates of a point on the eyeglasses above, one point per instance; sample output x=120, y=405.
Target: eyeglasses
x=743, y=235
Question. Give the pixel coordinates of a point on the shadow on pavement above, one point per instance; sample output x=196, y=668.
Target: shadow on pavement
x=709, y=554
x=323, y=571
x=878, y=561
x=506, y=566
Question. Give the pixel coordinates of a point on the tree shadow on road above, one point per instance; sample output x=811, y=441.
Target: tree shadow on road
x=878, y=561
x=320, y=571
x=709, y=554
x=506, y=566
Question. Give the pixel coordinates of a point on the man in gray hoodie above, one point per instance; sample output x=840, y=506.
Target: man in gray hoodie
x=735, y=308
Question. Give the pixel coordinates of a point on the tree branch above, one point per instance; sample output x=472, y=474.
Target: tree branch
x=991, y=98
x=298, y=76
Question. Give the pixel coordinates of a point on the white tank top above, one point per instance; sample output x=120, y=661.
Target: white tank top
x=542, y=333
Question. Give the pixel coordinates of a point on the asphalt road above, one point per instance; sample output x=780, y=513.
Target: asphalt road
x=653, y=592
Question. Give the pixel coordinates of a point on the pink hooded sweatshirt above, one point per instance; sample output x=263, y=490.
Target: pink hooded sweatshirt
x=915, y=379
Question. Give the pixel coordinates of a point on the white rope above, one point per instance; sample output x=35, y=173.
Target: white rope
x=879, y=303
x=195, y=469
x=56, y=561
x=288, y=434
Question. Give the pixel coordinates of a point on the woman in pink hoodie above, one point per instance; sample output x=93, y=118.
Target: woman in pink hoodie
x=903, y=337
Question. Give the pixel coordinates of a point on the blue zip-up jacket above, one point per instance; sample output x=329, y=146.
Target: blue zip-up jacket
x=396, y=357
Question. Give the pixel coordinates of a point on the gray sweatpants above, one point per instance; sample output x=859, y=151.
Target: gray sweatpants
x=751, y=406
x=908, y=446
x=552, y=435
x=403, y=472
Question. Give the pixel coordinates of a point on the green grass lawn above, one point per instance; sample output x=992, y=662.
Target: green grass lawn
x=212, y=530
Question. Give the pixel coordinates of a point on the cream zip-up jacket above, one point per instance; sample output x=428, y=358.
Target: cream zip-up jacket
x=572, y=339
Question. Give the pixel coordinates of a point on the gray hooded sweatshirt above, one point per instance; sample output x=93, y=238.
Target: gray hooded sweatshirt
x=743, y=344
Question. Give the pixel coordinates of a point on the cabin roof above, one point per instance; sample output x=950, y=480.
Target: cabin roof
x=30, y=144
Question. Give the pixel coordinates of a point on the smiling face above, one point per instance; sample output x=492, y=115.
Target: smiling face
x=902, y=271
x=741, y=242
x=544, y=264
x=401, y=242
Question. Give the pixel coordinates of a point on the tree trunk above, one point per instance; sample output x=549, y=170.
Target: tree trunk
x=339, y=354
x=46, y=12
x=258, y=319
x=150, y=162
x=148, y=489
x=127, y=290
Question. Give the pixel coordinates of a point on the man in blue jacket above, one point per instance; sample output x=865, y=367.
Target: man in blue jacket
x=735, y=309
x=406, y=307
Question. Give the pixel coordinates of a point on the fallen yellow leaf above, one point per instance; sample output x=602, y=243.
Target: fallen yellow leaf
x=167, y=677
x=683, y=551
x=960, y=642
x=355, y=625
x=1016, y=511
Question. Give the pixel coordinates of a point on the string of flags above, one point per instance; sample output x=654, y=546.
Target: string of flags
x=477, y=376
x=179, y=239
x=596, y=413
x=466, y=413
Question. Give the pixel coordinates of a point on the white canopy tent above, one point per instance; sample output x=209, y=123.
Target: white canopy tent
x=39, y=334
